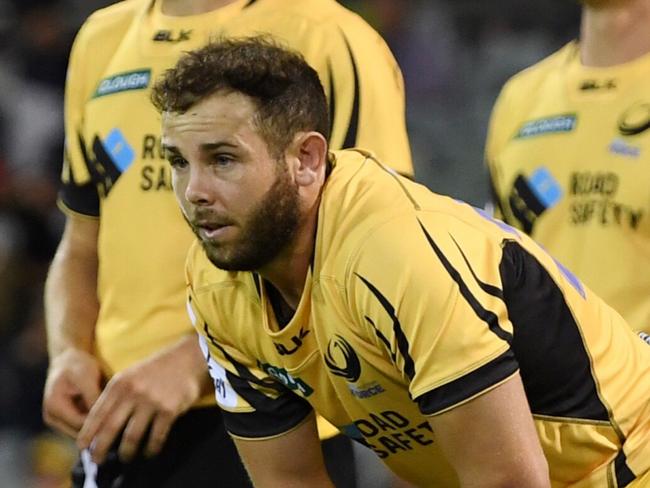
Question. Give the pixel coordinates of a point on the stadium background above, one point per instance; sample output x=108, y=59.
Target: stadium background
x=455, y=55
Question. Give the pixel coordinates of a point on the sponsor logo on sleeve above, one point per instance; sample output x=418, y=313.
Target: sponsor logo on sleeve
x=548, y=125
x=119, y=149
x=531, y=197
x=223, y=391
x=131, y=80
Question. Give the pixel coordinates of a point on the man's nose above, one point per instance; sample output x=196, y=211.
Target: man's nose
x=198, y=190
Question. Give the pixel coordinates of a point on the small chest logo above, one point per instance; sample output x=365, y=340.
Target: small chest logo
x=635, y=120
x=296, y=340
x=170, y=36
x=132, y=80
x=342, y=360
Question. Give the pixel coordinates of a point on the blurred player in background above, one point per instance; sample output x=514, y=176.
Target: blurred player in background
x=569, y=152
x=125, y=367
x=449, y=343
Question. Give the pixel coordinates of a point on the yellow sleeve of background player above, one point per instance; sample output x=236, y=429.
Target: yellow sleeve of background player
x=365, y=89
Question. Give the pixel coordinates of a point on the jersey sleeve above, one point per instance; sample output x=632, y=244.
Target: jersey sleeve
x=255, y=405
x=365, y=90
x=77, y=193
x=499, y=131
x=432, y=300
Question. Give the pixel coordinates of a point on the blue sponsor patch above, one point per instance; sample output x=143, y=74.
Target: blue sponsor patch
x=545, y=187
x=622, y=148
x=548, y=125
x=131, y=80
x=119, y=149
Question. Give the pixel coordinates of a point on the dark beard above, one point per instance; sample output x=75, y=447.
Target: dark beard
x=270, y=228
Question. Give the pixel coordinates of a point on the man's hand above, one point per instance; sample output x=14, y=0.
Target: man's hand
x=72, y=387
x=147, y=396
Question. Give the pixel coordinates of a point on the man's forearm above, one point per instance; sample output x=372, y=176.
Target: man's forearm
x=71, y=305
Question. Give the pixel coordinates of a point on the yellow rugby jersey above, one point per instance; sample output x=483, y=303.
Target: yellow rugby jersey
x=114, y=167
x=569, y=154
x=414, y=304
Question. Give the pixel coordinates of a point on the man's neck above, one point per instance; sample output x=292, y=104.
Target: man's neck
x=288, y=272
x=191, y=7
x=615, y=34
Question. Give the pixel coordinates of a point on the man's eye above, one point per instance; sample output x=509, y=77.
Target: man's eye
x=223, y=160
x=177, y=162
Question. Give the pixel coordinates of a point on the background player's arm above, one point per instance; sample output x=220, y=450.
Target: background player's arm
x=290, y=460
x=491, y=440
x=73, y=382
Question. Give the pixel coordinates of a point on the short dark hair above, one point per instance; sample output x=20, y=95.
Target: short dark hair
x=286, y=91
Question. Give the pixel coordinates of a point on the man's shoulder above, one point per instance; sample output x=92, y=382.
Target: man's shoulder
x=109, y=18
x=551, y=68
x=318, y=15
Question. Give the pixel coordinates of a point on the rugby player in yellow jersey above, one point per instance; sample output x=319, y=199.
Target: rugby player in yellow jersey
x=448, y=343
x=569, y=154
x=121, y=345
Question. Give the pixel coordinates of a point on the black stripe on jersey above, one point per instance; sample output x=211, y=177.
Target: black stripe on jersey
x=250, y=2
x=623, y=473
x=242, y=370
x=485, y=315
x=81, y=198
x=469, y=385
x=272, y=416
x=495, y=197
x=257, y=425
x=106, y=169
x=382, y=338
x=351, y=135
x=256, y=280
x=331, y=98
x=402, y=341
x=495, y=291
x=554, y=363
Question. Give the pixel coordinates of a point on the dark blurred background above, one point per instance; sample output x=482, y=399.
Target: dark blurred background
x=455, y=55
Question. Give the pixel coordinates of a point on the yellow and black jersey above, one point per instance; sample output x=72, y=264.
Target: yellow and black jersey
x=114, y=167
x=414, y=304
x=568, y=150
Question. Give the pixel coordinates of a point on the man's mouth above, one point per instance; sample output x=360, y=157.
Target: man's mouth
x=210, y=230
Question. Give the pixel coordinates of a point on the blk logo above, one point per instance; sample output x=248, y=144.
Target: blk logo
x=588, y=85
x=342, y=360
x=169, y=36
x=297, y=341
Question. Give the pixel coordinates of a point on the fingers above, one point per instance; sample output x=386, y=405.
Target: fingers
x=159, y=431
x=134, y=433
x=61, y=409
x=104, y=423
x=89, y=391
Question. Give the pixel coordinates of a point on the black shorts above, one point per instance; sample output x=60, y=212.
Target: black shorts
x=198, y=453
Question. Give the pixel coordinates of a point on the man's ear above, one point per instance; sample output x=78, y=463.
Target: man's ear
x=310, y=156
